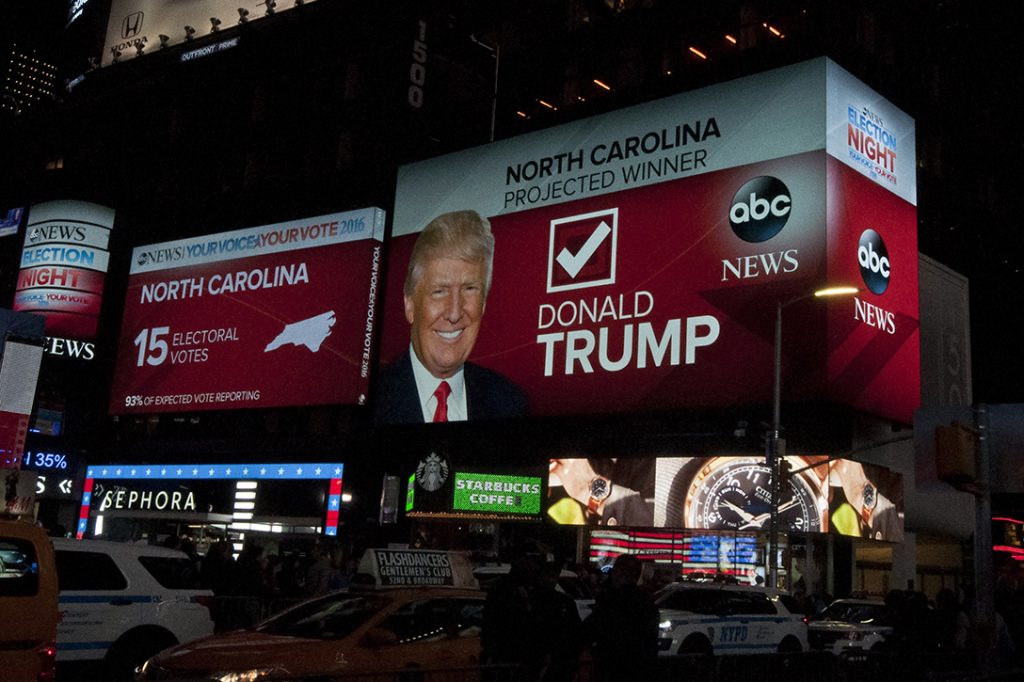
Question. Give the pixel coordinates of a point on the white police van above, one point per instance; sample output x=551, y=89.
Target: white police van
x=725, y=619
x=121, y=603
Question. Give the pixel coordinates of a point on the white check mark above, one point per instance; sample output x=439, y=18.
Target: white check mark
x=574, y=263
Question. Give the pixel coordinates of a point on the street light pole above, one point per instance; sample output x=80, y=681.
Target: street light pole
x=773, y=455
x=495, y=51
x=775, y=446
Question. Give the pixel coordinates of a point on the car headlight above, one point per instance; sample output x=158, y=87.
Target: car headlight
x=140, y=671
x=243, y=675
x=667, y=626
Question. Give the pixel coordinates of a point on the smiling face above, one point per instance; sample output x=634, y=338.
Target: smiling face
x=445, y=309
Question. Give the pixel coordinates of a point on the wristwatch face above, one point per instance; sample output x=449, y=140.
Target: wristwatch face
x=733, y=493
x=599, y=489
x=869, y=496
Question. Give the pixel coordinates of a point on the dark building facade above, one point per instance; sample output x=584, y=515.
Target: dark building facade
x=311, y=111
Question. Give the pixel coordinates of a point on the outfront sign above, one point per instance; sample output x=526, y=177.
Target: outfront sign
x=268, y=316
x=137, y=27
x=640, y=255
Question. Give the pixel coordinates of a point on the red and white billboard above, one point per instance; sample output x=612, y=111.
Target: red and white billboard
x=64, y=265
x=640, y=255
x=268, y=316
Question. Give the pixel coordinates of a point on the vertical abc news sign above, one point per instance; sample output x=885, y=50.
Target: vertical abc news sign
x=640, y=255
x=269, y=316
x=64, y=265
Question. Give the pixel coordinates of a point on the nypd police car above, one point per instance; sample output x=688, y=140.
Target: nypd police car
x=121, y=603
x=725, y=619
x=849, y=627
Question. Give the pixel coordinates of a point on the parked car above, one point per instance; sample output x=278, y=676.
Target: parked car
x=28, y=603
x=121, y=603
x=852, y=626
x=714, y=618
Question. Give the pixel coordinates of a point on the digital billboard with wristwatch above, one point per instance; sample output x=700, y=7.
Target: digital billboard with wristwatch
x=733, y=493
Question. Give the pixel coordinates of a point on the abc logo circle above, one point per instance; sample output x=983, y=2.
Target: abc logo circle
x=873, y=258
x=760, y=209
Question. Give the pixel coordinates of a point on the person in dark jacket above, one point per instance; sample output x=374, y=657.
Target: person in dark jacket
x=512, y=632
x=623, y=627
x=561, y=628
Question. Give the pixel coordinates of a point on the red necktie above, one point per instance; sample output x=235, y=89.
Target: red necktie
x=442, y=393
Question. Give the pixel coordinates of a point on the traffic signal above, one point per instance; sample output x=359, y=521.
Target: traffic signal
x=785, y=469
x=955, y=454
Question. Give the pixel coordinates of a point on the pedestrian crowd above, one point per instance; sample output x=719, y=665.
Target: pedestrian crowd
x=316, y=570
x=529, y=623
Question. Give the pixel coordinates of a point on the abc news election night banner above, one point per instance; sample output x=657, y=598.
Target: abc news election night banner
x=268, y=316
x=64, y=265
x=135, y=23
x=640, y=254
x=729, y=493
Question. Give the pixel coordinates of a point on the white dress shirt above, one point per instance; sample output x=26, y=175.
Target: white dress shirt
x=427, y=383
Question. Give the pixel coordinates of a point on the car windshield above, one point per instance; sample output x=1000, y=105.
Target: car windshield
x=19, y=569
x=863, y=614
x=331, y=617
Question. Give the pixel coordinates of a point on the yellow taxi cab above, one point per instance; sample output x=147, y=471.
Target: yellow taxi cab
x=413, y=609
x=28, y=603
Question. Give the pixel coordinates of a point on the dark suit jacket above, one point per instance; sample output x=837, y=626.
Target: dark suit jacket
x=488, y=394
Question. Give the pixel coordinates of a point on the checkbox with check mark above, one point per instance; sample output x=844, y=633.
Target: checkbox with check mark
x=582, y=249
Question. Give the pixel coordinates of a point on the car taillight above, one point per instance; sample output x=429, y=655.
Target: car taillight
x=47, y=662
x=203, y=600
x=806, y=620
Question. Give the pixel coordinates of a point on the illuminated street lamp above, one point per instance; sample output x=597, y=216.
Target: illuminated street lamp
x=774, y=455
